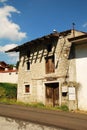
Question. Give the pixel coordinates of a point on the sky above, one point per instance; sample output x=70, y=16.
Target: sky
x=24, y=20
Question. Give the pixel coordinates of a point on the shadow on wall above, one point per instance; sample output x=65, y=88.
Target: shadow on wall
x=38, y=50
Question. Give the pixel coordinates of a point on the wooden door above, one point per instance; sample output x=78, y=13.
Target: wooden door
x=52, y=94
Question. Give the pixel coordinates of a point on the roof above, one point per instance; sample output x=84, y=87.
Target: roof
x=3, y=64
x=79, y=39
x=53, y=35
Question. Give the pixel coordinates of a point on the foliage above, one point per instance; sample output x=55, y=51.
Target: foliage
x=2, y=92
x=8, y=101
x=8, y=90
x=64, y=108
x=71, y=83
x=37, y=105
x=11, y=66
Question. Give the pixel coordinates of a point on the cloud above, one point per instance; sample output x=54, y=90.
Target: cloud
x=12, y=57
x=85, y=25
x=3, y=1
x=7, y=47
x=10, y=30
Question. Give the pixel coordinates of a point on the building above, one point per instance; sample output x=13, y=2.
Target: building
x=3, y=65
x=49, y=70
x=7, y=73
x=79, y=44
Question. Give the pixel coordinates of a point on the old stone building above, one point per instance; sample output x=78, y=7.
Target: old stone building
x=47, y=70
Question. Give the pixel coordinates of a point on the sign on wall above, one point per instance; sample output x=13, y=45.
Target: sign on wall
x=72, y=93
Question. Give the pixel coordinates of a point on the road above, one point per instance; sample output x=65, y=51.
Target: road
x=59, y=119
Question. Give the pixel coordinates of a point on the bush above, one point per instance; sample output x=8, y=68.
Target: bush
x=2, y=92
x=8, y=90
x=64, y=108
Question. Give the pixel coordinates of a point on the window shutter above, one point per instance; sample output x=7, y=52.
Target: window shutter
x=50, y=67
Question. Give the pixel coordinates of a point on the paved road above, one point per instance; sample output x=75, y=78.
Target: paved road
x=64, y=120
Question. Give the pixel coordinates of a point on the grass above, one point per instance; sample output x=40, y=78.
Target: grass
x=35, y=105
x=8, y=101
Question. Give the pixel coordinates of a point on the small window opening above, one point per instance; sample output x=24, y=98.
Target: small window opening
x=27, y=88
x=64, y=94
x=28, y=65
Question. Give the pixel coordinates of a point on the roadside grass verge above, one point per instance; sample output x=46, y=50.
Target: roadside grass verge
x=34, y=105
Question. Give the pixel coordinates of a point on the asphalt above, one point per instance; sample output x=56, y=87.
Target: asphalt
x=58, y=119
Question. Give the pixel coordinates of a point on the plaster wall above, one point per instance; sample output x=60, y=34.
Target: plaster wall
x=81, y=75
x=11, y=77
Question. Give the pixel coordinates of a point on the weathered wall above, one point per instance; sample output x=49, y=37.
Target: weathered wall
x=36, y=76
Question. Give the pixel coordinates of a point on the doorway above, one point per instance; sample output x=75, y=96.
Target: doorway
x=52, y=94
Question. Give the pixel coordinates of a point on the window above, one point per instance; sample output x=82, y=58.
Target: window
x=72, y=52
x=50, y=64
x=28, y=65
x=27, y=88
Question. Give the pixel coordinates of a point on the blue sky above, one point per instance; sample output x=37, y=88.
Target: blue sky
x=24, y=20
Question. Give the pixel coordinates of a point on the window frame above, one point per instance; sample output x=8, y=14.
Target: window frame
x=29, y=91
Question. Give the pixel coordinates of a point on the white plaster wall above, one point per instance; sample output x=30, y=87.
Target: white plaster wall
x=9, y=78
x=81, y=75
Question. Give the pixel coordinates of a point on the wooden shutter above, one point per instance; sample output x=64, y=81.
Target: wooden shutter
x=50, y=65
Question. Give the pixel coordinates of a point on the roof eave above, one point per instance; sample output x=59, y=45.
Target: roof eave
x=82, y=38
x=52, y=35
x=16, y=49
